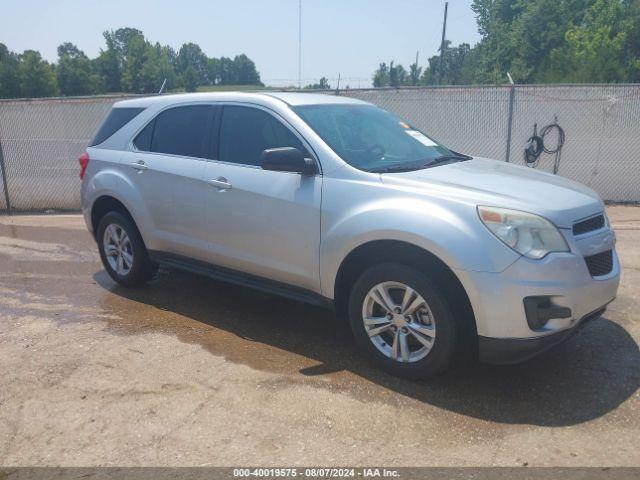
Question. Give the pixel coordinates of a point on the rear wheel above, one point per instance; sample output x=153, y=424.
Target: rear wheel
x=123, y=254
x=400, y=318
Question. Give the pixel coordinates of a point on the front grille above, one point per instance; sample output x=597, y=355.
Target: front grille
x=600, y=263
x=588, y=225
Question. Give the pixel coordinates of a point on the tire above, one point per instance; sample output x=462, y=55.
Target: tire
x=428, y=327
x=137, y=267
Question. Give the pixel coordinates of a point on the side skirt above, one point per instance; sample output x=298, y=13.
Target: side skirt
x=240, y=278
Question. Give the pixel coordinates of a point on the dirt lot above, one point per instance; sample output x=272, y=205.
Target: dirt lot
x=189, y=371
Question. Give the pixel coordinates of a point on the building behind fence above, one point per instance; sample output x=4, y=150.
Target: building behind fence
x=40, y=140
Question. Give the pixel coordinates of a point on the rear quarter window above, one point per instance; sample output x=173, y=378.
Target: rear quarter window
x=143, y=140
x=118, y=118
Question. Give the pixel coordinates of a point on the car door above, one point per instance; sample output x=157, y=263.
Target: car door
x=169, y=159
x=261, y=222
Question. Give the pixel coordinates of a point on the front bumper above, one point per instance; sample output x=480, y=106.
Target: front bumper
x=497, y=298
x=504, y=351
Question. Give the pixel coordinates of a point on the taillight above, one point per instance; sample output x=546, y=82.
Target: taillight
x=84, y=163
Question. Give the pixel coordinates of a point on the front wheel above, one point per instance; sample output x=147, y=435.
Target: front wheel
x=123, y=254
x=400, y=318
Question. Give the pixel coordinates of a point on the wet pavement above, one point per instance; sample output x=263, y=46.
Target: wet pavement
x=191, y=371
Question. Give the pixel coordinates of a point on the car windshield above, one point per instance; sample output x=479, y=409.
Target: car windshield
x=372, y=139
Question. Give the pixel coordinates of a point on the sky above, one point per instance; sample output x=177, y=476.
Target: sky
x=347, y=38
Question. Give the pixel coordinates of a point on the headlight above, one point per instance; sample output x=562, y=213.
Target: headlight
x=528, y=234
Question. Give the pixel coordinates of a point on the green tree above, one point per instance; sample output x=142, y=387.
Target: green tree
x=37, y=76
x=596, y=49
x=136, y=51
x=397, y=75
x=495, y=20
x=121, y=63
x=213, y=71
x=455, y=68
x=226, y=69
x=74, y=72
x=381, y=76
x=108, y=65
x=9, y=76
x=414, y=74
x=191, y=80
x=158, y=67
x=118, y=64
x=556, y=40
x=323, y=84
x=540, y=41
x=193, y=66
x=245, y=71
x=632, y=47
x=123, y=40
x=128, y=63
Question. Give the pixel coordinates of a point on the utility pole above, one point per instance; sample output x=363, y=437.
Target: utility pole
x=415, y=80
x=3, y=178
x=299, y=44
x=512, y=94
x=444, y=31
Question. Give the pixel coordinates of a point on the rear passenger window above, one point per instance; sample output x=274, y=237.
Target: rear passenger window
x=182, y=131
x=246, y=132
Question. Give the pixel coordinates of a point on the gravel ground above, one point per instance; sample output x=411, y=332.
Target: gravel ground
x=190, y=371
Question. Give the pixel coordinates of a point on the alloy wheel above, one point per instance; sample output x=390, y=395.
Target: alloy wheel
x=399, y=322
x=118, y=249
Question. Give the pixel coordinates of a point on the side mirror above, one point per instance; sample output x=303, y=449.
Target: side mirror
x=287, y=159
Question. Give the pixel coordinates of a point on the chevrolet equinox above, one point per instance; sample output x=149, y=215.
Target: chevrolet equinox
x=427, y=252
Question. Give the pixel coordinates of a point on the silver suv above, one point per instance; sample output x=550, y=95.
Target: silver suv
x=429, y=253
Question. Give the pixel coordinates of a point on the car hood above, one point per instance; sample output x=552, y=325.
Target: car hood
x=501, y=184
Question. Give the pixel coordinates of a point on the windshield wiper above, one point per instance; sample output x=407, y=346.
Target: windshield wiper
x=457, y=157
x=395, y=169
x=449, y=158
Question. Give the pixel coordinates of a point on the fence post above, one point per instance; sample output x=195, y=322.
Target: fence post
x=3, y=172
x=512, y=94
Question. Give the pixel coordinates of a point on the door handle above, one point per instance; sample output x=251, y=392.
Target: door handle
x=139, y=165
x=220, y=183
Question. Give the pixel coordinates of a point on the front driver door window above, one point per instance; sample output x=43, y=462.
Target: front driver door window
x=246, y=132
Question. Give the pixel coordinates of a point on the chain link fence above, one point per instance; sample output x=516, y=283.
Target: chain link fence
x=40, y=140
x=601, y=125
x=472, y=120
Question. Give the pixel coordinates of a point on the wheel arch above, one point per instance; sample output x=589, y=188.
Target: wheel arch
x=105, y=204
x=397, y=251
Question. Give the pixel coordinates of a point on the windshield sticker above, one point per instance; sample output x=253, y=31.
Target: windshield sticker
x=421, y=137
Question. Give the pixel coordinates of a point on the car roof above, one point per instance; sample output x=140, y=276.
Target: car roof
x=261, y=98
x=301, y=98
